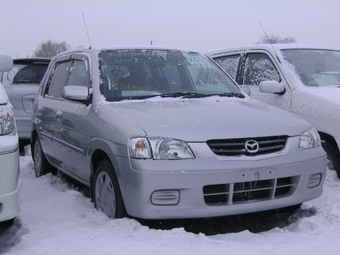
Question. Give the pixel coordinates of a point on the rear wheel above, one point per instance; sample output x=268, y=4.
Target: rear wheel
x=41, y=165
x=333, y=158
x=106, y=193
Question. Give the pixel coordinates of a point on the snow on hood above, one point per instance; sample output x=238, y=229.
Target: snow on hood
x=209, y=118
x=325, y=113
x=327, y=93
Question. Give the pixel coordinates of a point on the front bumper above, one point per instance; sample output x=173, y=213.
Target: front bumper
x=160, y=189
x=9, y=177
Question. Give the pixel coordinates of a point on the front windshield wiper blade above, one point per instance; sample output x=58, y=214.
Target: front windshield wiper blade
x=186, y=95
x=112, y=99
x=232, y=94
x=200, y=95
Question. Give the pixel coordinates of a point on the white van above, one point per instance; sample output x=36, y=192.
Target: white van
x=304, y=80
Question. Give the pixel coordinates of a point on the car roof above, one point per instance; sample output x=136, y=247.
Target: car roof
x=270, y=47
x=95, y=49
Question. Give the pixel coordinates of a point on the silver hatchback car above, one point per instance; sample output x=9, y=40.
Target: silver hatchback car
x=163, y=133
x=21, y=84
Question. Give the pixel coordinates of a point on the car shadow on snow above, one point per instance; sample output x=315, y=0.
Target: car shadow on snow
x=253, y=222
x=10, y=234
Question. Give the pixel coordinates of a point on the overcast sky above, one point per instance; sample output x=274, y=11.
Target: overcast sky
x=201, y=25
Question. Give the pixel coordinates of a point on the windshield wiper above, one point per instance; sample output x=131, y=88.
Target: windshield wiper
x=200, y=95
x=232, y=94
x=186, y=95
x=121, y=98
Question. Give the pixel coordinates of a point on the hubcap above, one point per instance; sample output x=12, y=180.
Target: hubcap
x=105, y=194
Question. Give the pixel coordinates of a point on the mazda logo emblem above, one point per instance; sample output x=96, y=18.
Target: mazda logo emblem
x=252, y=146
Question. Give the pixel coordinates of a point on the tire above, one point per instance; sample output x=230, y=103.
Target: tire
x=333, y=158
x=106, y=192
x=41, y=165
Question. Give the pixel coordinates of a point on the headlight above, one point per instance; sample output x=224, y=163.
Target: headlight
x=159, y=148
x=6, y=120
x=309, y=139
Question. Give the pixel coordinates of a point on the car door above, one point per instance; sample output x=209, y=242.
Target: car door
x=71, y=122
x=250, y=68
x=47, y=124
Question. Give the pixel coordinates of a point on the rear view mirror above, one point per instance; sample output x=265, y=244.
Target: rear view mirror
x=272, y=87
x=6, y=63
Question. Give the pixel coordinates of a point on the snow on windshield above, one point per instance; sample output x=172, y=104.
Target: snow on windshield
x=137, y=73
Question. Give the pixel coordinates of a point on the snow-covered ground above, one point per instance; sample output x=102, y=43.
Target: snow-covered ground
x=57, y=217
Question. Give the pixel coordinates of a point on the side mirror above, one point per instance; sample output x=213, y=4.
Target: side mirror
x=6, y=63
x=272, y=87
x=78, y=93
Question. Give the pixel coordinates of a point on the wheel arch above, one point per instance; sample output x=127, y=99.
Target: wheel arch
x=97, y=157
x=329, y=139
x=33, y=137
x=99, y=151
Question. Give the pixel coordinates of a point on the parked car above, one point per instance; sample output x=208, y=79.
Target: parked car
x=21, y=84
x=164, y=133
x=9, y=154
x=304, y=80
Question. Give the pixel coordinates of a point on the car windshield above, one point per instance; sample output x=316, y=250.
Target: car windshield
x=24, y=73
x=315, y=67
x=137, y=74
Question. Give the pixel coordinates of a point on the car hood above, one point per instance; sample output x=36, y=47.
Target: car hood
x=209, y=118
x=3, y=95
x=327, y=93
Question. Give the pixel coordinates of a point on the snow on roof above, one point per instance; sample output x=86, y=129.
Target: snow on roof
x=269, y=47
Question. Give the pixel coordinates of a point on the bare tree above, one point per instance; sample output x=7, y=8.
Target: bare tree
x=272, y=39
x=49, y=49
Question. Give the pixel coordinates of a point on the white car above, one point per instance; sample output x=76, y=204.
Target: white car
x=302, y=79
x=9, y=153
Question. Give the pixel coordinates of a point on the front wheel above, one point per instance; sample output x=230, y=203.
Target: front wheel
x=106, y=193
x=333, y=158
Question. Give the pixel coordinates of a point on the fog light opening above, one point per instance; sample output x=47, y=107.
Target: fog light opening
x=165, y=197
x=314, y=180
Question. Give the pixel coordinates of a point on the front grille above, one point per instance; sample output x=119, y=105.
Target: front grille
x=237, y=147
x=245, y=192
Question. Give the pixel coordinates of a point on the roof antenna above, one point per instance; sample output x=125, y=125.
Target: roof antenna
x=88, y=36
x=270, y=42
